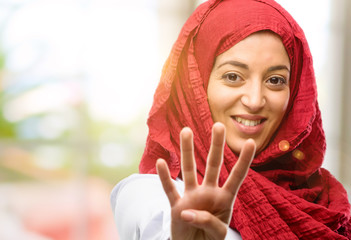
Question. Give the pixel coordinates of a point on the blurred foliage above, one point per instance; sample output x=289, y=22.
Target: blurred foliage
x=2, y=60
x=78, y=147
x=7, y=129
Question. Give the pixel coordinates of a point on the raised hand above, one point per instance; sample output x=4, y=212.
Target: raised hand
x=205, y=210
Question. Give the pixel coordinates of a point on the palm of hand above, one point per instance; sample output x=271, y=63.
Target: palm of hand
x=202, y=198
x=205, y=210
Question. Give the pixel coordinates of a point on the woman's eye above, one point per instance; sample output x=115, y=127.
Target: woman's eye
x=276, y=81
x=231, y=77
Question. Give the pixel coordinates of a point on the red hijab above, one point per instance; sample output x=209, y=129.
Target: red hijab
x=286, y=195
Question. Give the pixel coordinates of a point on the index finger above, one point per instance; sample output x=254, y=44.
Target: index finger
x=241, y=168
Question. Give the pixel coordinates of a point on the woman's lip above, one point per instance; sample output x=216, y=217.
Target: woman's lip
x=249, y=130
x=250, y=117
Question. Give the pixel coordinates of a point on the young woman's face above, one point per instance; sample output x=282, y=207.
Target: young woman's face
x=249, y=90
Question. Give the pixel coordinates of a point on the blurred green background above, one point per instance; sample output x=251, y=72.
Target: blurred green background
x=76, y=83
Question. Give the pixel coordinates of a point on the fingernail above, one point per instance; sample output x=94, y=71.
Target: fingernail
x=188, y=216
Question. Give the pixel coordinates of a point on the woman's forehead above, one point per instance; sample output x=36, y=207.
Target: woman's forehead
x=261, y=50
x=232, y=21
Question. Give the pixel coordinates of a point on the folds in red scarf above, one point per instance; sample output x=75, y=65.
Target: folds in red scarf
x=286, y=195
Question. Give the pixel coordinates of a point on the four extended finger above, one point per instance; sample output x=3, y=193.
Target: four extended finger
x=167, y=184
x=241, y=168
x=215, y=156
x=187, y=158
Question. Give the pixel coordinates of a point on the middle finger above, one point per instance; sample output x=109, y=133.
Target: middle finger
x=187, y=158
x=215, y=156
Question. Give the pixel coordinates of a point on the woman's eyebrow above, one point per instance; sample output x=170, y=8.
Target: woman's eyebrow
x=245, y=66
x=234, y=63
x=278, y=67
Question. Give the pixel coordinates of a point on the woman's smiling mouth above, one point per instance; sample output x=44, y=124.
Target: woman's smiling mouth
x=249, y=125
x=247, y=122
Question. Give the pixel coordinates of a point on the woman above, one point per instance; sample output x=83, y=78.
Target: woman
x=247, y=65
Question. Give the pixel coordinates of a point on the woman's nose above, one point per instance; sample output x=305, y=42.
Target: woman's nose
x=253, y=98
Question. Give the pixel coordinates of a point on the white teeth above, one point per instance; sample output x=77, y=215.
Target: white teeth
x=247, y=122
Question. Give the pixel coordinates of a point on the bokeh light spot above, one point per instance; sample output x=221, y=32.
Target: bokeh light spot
x=298, y=154
x=284, y=145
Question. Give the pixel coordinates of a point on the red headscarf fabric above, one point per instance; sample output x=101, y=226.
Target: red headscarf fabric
x=286, y=195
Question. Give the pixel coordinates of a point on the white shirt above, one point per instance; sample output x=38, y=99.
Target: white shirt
x=142, y=211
